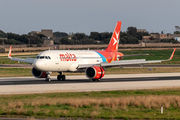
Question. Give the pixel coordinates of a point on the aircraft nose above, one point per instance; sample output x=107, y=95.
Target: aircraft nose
x=38, y=64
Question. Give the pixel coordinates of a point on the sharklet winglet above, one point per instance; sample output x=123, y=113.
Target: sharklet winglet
x=10, y=51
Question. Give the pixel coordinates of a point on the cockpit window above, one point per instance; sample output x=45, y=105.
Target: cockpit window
x=43, y=57
x=37, y=57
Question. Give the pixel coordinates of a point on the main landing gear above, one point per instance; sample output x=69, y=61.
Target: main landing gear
x=48, y=79
x=61, y=77
x=96, y=80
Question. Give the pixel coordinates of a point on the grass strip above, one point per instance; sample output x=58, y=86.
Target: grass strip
x=129, y=104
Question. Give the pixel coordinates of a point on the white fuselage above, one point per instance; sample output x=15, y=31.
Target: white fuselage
x=65, y=60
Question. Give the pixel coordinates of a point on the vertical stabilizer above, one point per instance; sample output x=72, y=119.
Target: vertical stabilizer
x=114, y=42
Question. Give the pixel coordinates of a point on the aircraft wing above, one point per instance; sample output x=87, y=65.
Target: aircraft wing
x=27, y=60
x=125, y=62
x=132, y=55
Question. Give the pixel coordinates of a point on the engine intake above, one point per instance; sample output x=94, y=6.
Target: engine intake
x=95, y=72
x=38, y=74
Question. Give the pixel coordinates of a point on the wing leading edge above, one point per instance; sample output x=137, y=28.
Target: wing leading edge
x=125, y=62
x=27, y=60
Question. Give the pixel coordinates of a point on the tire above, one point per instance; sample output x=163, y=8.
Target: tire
x=93, y=79
x=59, y=77
x=48, y=79
x=63, y=77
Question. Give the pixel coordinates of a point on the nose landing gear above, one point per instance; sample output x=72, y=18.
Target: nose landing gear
x=61, y=77
x=48, y=79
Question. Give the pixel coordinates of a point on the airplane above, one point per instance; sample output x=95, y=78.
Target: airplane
x=92, y=62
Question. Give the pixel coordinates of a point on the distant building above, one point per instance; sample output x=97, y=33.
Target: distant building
x=177, y=38
x=141, y=30
x=69, y=38
x=146, y=37
x=48, y=41
x=163, y=36
x=176, y=35
x=47, y=32
x=170, y=36
x=34, y=33
x=156, y=36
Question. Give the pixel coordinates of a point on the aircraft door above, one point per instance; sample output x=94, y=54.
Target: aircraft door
x=56, y=56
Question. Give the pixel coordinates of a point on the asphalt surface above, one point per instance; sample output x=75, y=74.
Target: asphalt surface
x=79, y=83
x=36, y=81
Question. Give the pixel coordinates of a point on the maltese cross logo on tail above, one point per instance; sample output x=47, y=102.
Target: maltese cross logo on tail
x=116, y=40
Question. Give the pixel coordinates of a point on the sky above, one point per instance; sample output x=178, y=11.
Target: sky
x=85, y=16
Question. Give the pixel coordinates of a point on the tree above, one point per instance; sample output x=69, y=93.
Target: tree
x=162, y=32
x=141, y=34
x=105, y=35
x=132, y=31
x=41, y=35
x=2, y=34
x=169, y=40
x=95, y=35
x=67, y=41
x=129, y=40
x=12, y=42
x=79, y=36
x=176, y=32
x=60, y=34
x=87, y=41
x=106, y=41
x=122, y=34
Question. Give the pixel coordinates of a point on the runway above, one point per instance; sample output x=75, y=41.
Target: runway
x=17, y=85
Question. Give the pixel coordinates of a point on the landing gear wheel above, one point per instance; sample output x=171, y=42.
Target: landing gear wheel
x=96, y=80
x=59, y=77
x=48, y=79
x=63, y=77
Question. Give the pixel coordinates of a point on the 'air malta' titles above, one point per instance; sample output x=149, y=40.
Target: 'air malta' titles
x=68, y=57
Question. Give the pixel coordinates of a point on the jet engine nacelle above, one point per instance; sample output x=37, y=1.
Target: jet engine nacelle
x=38, y=74
x=95, y=72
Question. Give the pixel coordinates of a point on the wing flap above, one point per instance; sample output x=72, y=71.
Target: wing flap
x=117, y=63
